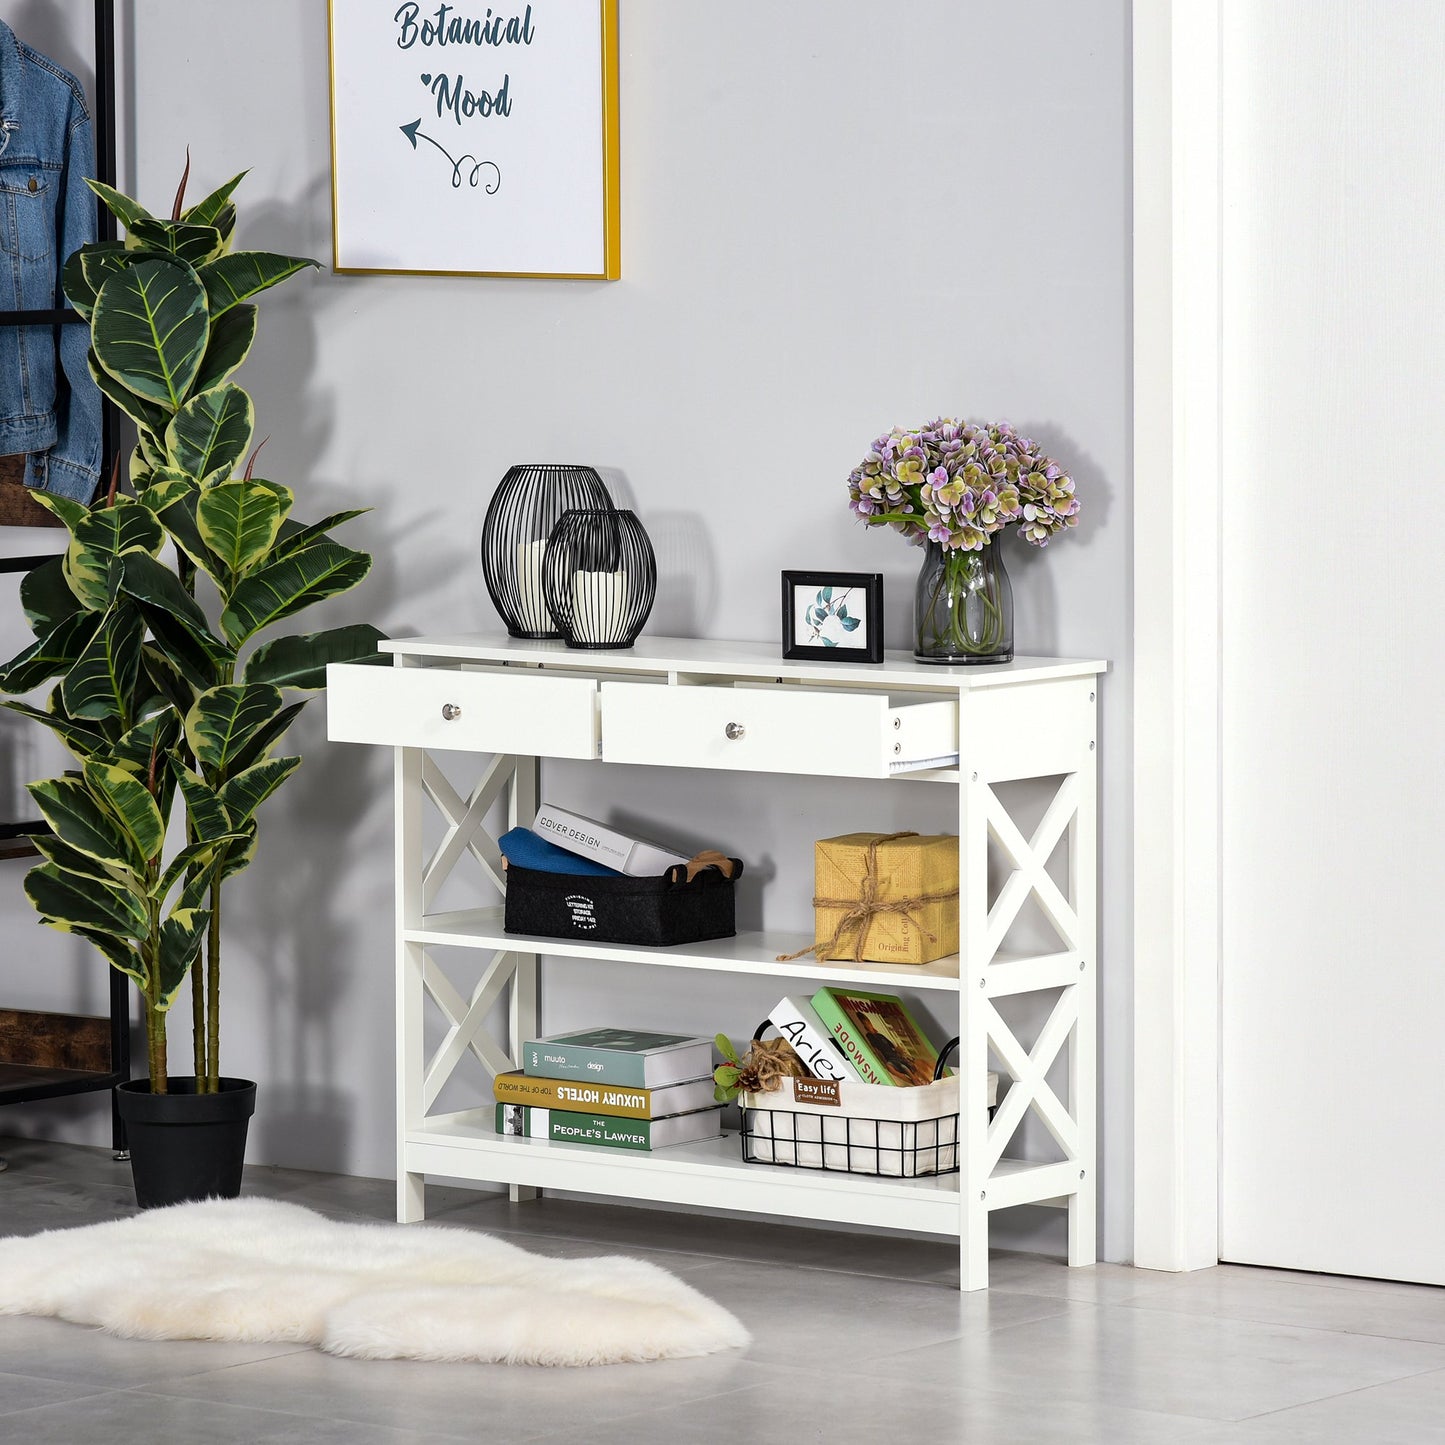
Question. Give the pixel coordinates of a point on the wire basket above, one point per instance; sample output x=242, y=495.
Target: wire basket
x=847, y=1144
x=524, y=509
x=599, y=577
x=845, y=1126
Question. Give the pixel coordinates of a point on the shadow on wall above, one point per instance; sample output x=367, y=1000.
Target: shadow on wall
x=1036, y=604
x=686, y=564
x=286, y=914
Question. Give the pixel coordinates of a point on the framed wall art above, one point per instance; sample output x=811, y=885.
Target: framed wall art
x=833, y=616
x=475, y=139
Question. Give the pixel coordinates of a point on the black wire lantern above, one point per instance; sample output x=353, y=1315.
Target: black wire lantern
x=599, y=576
x=520, y=517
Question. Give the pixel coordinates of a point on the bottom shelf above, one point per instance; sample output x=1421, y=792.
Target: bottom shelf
x=21, y=1083
x=712, y=1174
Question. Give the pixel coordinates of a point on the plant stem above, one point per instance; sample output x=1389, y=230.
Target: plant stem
x=198, y=1024
x=213, y=986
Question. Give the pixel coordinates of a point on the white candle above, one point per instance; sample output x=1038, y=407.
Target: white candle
x=599, y=606
x=532, y=613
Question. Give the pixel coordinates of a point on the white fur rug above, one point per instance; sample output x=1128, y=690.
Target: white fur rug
x=256, y=1269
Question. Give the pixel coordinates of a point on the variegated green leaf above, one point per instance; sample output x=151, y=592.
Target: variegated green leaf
x=195, y=855
x=260, y=743
x=294, y=537
x=121, y=953
x=239, y=856
x=147, y=413
x=203, y=808
x=72, y=860
x=95, y=543
x=238, y=522
x=285, y=587
x=78, y=277
x=167, y=679
x=225, y=718
x=150, y=329
x=242, y=274
x=144, y=751
x=70, y=903
x=179, y=519
x=243, y=794
x=71, y=513
x=46, y=598
x=181, y=937
x=232, y=335
x=301, y=661
x=51, y=655
x=176, y=621
x=78, y=818
x=125, y=210
x=131, y=804
x=83, y=736
x=164, y=486
x=208, y=211
x=192, y=243
x=210, y=434
x=102, y=681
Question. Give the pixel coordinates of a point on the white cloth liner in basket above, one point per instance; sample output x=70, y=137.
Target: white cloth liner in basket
x=878, y=1129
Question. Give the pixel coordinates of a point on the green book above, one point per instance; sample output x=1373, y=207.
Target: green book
x=562, y=1126
x=877, y=1035
x=618, y=1056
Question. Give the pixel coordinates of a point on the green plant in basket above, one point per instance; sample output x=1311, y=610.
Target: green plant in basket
x=155, y=627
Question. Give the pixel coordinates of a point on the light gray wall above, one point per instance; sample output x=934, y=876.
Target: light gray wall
x=836, y=217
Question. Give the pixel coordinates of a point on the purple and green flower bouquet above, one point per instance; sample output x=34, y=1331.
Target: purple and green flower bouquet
x=958, y=484
x=953, y=487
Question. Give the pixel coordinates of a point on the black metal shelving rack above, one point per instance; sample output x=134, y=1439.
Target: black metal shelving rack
x=22, y=1082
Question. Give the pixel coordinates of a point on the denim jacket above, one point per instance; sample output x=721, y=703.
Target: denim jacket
x=49, y=406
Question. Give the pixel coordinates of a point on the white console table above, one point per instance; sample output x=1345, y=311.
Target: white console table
x=739, y=707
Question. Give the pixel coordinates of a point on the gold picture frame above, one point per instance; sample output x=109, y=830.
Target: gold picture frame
x=611, y=218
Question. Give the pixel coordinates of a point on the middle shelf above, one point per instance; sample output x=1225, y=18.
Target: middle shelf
x=753, y=953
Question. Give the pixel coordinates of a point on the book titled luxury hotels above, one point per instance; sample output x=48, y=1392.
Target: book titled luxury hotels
x=618, y=1056
x=588, y=1097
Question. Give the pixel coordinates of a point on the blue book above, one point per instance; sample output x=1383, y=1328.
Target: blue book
x=524, y=848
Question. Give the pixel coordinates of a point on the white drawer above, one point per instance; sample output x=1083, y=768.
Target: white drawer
x=777, y=730
x=526, y=712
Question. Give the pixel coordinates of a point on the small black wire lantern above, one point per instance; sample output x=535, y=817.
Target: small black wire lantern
x=520, y=517
x=600, y=577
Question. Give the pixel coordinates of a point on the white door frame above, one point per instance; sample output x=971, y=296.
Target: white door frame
x=1177, y=122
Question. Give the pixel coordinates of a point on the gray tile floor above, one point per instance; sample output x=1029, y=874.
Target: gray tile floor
x=853, y=1341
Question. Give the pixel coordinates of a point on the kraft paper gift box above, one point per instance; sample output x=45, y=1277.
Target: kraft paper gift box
x=914, y=893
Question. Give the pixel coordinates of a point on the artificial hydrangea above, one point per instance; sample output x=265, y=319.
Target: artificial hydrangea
x=958, y=483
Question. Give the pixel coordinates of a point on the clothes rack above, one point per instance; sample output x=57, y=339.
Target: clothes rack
x=48, y=1055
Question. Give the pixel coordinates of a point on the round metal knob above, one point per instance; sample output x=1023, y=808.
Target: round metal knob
x=450, y=711
x=735, y=731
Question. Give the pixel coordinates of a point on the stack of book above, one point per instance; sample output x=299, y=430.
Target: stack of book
x=618, y=1088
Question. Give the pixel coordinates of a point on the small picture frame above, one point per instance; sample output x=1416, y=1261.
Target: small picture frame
x=833, y=616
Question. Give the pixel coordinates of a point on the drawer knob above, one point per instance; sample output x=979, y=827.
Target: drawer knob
x=450, y=711
x=735, y=731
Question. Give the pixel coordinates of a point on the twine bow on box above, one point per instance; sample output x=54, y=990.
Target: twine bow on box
x=861, y=911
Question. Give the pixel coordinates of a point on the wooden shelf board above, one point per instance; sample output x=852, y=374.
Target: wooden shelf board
x=17, y=507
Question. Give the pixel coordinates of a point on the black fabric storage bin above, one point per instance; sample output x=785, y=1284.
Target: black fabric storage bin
x=654, y=912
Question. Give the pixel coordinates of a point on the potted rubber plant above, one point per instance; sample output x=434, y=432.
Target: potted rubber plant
x=154, y=630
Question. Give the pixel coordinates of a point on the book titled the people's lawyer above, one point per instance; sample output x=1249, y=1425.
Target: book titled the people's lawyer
x=618, y=1056
x=562, y=1126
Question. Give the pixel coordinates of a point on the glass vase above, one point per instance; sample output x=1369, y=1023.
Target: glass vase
x=963, y=610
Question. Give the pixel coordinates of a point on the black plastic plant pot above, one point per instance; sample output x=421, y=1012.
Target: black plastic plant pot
x=185, y=1145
